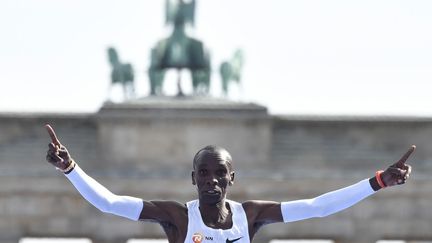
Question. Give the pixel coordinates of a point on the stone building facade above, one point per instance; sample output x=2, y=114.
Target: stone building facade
x=145, y=149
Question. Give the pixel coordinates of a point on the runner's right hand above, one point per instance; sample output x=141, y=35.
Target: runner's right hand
x=57, y=154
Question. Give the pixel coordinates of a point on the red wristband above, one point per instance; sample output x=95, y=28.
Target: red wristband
x=379, y=179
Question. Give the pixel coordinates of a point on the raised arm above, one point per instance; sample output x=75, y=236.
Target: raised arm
x=335, y=201
x=90, y=189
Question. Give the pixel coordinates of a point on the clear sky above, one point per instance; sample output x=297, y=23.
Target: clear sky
x=368, y=57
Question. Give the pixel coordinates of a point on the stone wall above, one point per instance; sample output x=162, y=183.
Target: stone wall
x=306, y=156
x=316, y=154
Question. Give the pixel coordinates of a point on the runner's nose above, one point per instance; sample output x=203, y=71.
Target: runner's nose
x=212, y=181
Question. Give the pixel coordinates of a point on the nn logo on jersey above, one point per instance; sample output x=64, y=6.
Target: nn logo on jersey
x=197, y=238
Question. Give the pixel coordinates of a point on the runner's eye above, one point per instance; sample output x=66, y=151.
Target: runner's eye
x=221, y=173
x=202, y=172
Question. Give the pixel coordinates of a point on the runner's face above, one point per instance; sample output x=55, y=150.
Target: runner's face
x=212, y=175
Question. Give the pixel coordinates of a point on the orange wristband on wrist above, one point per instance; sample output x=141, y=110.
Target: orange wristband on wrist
x=68, y=169
x=379, y=179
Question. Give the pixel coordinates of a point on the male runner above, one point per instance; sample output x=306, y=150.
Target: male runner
x=212, y=215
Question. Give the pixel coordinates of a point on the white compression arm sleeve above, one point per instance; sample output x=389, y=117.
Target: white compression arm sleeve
x=102, y=198
x=326, y=204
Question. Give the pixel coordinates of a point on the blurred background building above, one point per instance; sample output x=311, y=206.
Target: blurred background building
x=145, y=149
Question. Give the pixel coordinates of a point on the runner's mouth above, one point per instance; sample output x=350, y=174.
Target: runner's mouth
x=211, y=192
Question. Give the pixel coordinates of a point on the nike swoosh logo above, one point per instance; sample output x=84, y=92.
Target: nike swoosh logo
x=231, y=241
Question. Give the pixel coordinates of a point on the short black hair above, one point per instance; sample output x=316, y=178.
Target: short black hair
x=213, y=151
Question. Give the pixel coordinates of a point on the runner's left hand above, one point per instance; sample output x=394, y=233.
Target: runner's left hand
x=399, y=172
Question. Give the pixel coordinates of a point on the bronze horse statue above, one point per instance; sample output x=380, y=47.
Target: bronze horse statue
x=231, y=70
x=121, y=73
x=180, y=51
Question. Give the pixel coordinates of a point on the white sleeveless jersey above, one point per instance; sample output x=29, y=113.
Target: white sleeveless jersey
x=198, y=232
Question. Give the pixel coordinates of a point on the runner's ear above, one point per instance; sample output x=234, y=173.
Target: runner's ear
x=193, y=178
x=231, y=182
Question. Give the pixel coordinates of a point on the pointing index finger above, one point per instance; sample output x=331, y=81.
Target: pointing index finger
x=52, y=134
x=404, y=158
